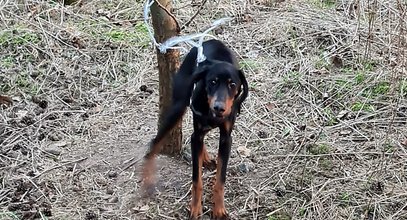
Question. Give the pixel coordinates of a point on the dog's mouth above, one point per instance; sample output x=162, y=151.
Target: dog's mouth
x=218, y=115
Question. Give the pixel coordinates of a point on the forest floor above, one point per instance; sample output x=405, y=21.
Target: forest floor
x=322, y=135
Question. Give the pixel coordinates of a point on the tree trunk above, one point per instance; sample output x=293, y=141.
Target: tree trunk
x=165, y=26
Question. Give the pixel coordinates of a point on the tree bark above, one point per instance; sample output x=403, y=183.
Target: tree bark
x=165, y=26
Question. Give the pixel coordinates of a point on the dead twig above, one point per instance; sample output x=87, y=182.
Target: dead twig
x=130, y=164
x=194, y=16
x=59, y=166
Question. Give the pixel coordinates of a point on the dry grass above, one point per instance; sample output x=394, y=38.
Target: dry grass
x=325, y=120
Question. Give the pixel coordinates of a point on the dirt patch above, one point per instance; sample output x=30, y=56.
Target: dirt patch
x=322, y=135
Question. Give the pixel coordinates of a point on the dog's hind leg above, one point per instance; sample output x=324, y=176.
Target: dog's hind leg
x=208, y=162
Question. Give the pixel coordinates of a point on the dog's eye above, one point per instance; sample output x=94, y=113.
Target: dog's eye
x=213, y=82
x=232, y=85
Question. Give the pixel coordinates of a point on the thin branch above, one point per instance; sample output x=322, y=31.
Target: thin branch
x=131, y=164
x=59, y=166
x=194, y=16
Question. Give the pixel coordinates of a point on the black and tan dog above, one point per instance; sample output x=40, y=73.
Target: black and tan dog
x=217, y=89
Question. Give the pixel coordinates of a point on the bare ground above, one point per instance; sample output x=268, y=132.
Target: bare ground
x=325, y=122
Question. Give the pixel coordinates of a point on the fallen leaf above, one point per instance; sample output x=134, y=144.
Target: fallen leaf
x=53, y=151
x=143, y=208
x=21, y=114
x=345, y=132
x=270, y=106
x=5, y=100
x=95, y=110
x=342, y=114
x=243, y=151
x=337, y=61
x=58, y=144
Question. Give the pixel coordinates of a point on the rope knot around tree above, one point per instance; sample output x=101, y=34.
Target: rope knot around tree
x=194, y=40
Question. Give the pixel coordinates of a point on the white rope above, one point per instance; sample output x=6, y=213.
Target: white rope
x=146, y=11
x=189, y=39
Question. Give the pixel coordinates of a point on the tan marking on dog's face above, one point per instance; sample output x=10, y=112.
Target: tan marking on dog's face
x=229, y=105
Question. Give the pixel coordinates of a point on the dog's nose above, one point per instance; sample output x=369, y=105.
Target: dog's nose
x=219, y=107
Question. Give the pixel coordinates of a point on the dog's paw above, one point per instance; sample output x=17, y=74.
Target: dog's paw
x=220, y=214
x=195, y=212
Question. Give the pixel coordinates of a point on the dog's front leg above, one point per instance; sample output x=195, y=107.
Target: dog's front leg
x=197, y=161
x=225, y=142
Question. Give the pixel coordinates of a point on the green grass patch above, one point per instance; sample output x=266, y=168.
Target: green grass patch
x=369, y=65
x=389, y=148
x=101, y=30
x=321, y=63
x=403, y=87
x=8, y=215
x=17, y=37
x=292, y=78
x=137, y=35
x=360, y=106
x=324, y=4
x=249, y=64
x=279, y=216
x=5, y=87
x=331, y=117
x=343, y=84
x=381, y=88
x=360, y=77
x=142, y=29
x=24, y=82
x=253, y=85
x=302, y=212
x=339, y=88
x=280, y=92
x=325, y=163
x=7, y=62
x=344, y=199
x=317, y=149
x=118, y=35
x=378, y=89
x=361, y=72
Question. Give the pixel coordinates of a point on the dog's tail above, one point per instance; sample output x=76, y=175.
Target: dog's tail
x=182, y=88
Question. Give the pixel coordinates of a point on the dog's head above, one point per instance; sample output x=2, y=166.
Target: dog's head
x=226, y=87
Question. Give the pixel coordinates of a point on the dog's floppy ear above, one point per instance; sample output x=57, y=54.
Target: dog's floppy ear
x=199, y=73
x=201, y=69
x=243, y=91
x=183, y=84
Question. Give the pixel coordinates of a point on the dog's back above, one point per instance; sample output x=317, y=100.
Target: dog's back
x=216, y=50
x=213, y=50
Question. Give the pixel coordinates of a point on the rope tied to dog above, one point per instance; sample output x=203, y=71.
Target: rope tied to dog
x=195, y=40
